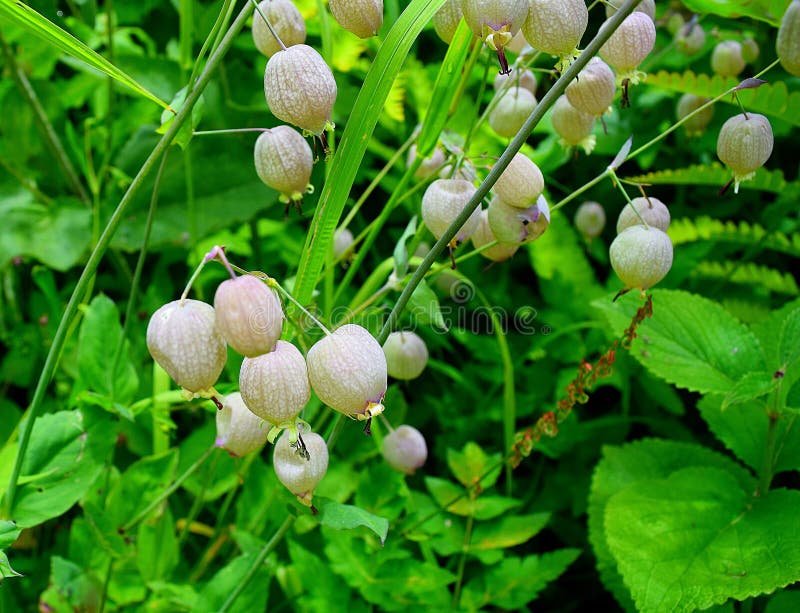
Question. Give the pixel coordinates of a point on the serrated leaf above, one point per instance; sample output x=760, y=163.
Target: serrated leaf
x=714, y=174
x=620, y=467
x=753, y=385
x=772, y=100
x=483, y=507
x=749, y=274
x=686, y=230
x=346, y=517
x=507, y=532
x=24, y=16
x=743, y=430
x=517, y=581
x=696, y=538
x=690, y=341
x=470, y=464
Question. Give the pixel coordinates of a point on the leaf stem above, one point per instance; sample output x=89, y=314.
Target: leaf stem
x=102, y=245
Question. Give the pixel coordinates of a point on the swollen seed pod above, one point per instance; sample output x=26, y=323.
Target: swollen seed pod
x=239, y=431
x=483, y=235
x=573, y=126
x=300, y=88
x=744, y=145
x=404, y=449
x=284, y=162
x=182, y=336
x=275, y=385
x=495, y=22
x=593, y=90
x=726, y=58
x=361, y=17
x=299, y=473
x=629, y=45
x=690, y=38
x=249, y=315
x=648, y=7
x=524, y=79
x=641, y=256
x=513, y=107
x=429, y=165
x=787, y=45
x=347, y=370
x=406, y=355
x=590, y=219
x=556, y=27
x=650, y=210
x=285, y=19
x=342, y=241
x=698, y=123
x=514, y=225
x=521, y=183
x=441, y=204
x=446, y=19
x=750, y=50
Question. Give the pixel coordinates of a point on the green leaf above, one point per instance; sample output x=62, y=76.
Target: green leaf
x=100, y=333
x=483, y=507
x=353, y=143
x=22, y=15
x=423, y=307
x=254, y=596
x=689, y=341
x=769, y=333
x=517, y=581
x=789, y=350
x=621, y=467
x=750, y=387
x=714, y=174
x=773, y=99
x=687, y=230
x=763, y=10
x=346, y=517
x=5, y=567
x=321, y=586
x=139, y=485
x=157, y=551
x=470, y=464
x=67, y=452
x=400, y=253
x=184, y=135
x=508, y=531
x=8, y=534
x=696, y=538
x=743, y=429
x=748, y=274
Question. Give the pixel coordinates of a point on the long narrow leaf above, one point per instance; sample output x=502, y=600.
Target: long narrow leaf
x=38, y=25
x=353, y=144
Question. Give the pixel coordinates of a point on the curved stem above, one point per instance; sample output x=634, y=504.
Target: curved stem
x=102, y=245
x=516, y=144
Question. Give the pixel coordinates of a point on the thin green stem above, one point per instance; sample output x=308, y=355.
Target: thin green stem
x=516, y=144
x=102, y=245
x=462, y=561
x=275, y=285
x=269, y=25
x=199, y=499
x=259, y=560
x=50, y=135
x=580, y=190
x=222, y=18
x=227, y=131
x=172, y=488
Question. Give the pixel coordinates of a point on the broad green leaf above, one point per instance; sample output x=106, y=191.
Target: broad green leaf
x=482, y=507
x=57, y=236
x=72, y=588
x=507, y=531
x=21, y=14
x=696, y=538
x=139, y=485
x=773, y=99
x=322, y=589
x=621, y=467
x=157, y=551
x=67, y=452
x=769, y=331
x=346, y=517
x=8, y=534
x=517, y=581
x=100, y=333
x=470, y=464
x=254, y=596
x=743, y=429
x=360, y=125
x=423, y=307
x=5, y=567
x=689, y=341
x=753, y=385
x=763, y=10
x=789, y=349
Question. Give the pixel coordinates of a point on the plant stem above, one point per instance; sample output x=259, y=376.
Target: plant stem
x=199, y=499
x=269, y=26
x=262, y=555
x=50, y=135
x=516, y=144
x=102, y=245
x=168, y=492
x=274, y=284
x=462, y=561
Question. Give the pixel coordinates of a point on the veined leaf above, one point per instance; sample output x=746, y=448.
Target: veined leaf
x=353, y=144
x=772, y=99
x=714, y=174
x=763, y=10
x=749, y=274
x=38, y=25
x=686, y=230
